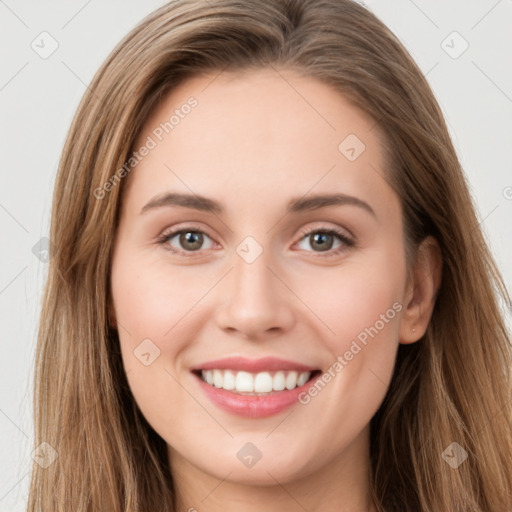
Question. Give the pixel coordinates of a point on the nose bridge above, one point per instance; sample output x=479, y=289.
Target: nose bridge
x=256, y=299
x=252, y=280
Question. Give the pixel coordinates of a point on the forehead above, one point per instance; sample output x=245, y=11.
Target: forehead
x=268, y=133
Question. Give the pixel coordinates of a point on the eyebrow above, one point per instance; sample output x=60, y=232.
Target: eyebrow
x=295, y=205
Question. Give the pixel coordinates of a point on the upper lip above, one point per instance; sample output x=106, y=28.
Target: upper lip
x=253, y=365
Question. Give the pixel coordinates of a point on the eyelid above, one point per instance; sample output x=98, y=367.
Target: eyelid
x=348, y=240
x=341, y=231
x=185, y=226
x=344, y=235
x=167, y=234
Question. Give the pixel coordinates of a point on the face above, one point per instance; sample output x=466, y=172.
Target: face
x=259, y=249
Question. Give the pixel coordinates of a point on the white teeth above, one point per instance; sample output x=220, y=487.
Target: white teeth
x=218, y=379
x=279, y=381
x=244, y=382
x=262, y=382
x=229, y=380
x=291, y=380
x=302, y=379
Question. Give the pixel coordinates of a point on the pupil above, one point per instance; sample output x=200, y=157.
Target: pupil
x=193, y=238
x=320, y=238
x=196, y=239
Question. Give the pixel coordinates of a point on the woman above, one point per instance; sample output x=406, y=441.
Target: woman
x=330, y=340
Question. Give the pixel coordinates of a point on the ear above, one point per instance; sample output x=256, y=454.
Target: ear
x=421, y=291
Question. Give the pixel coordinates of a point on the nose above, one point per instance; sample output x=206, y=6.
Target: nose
x=258, y=302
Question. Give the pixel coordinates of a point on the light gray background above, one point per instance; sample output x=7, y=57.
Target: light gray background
x=39, y=96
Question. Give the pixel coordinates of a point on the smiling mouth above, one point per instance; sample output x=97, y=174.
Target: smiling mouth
x=260, y=383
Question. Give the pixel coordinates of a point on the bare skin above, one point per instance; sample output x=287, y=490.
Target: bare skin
x=253, y=143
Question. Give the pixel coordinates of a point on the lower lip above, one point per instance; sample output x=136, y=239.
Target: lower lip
x=254, y=406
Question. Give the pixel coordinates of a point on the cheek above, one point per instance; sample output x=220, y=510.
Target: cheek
x=150, y=300
x=360, y=299
x=149, y=305
x=153, y=311
x=362, y=310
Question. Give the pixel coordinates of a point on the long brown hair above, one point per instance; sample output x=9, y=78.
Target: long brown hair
x=453, y=386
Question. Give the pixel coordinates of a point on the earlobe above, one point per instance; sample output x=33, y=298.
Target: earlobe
x=423, y=286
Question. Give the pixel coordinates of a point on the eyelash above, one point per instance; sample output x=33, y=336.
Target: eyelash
x=347, y=242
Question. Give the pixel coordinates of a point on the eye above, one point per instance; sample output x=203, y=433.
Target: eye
x=191, y=239
x=323, y=240
x=188, y=239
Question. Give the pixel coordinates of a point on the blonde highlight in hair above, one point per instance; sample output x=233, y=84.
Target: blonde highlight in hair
x=452, y=386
